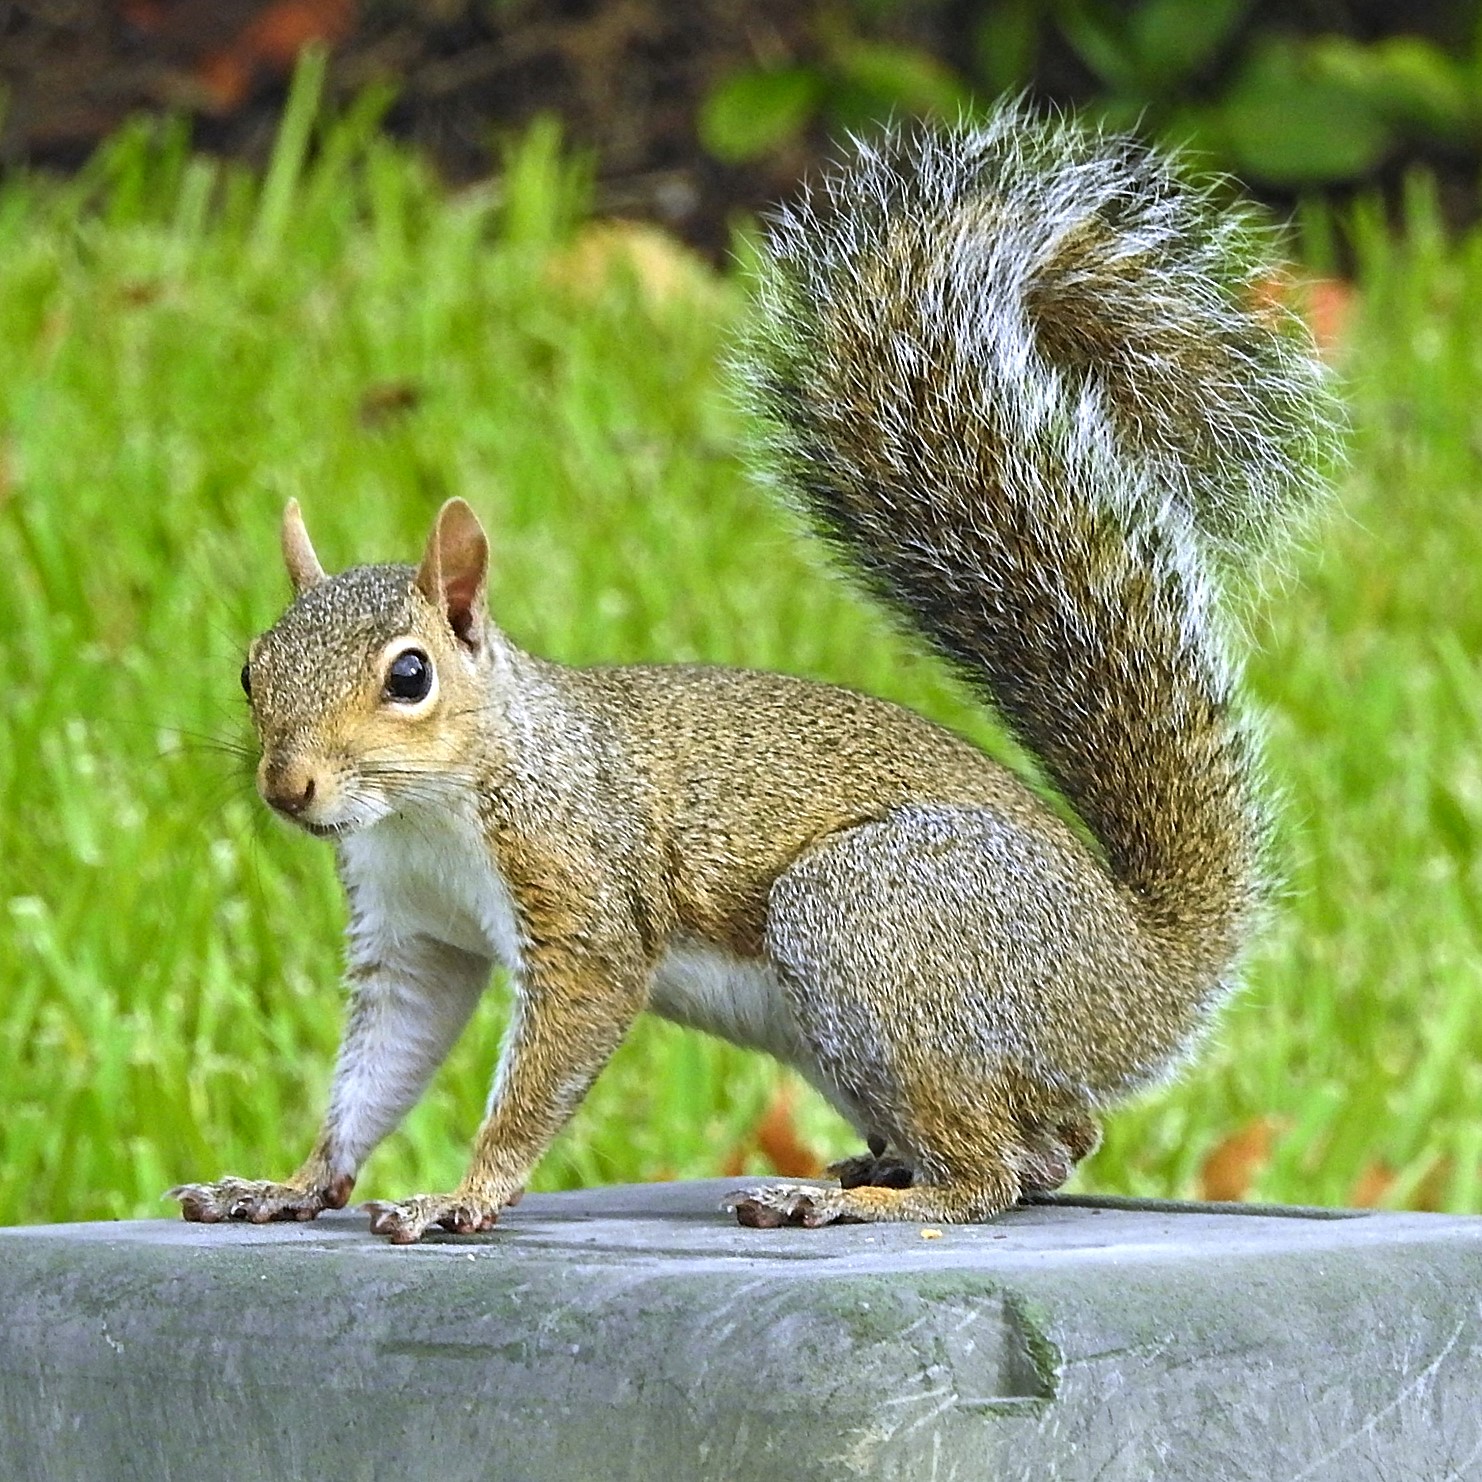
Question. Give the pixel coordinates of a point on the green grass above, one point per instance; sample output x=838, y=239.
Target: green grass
x=182, y=347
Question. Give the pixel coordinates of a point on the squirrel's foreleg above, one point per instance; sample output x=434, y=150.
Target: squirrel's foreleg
x=408, y=1003
x=573, y=1006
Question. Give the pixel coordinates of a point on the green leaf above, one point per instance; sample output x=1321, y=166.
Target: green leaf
x=1288, y=121
x=1410, y=80
x=750, y=113
x=1005, y=42
x=895, y=79
x=1099, y=44
x=1170, y=40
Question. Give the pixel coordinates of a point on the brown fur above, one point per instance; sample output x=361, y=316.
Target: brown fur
x=896, y=914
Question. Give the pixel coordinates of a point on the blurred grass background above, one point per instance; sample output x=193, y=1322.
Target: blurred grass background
x=184, y=344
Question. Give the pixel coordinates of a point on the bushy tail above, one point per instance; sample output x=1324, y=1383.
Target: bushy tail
x=1035, y=387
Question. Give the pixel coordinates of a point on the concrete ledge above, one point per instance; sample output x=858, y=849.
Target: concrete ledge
x=634, y=1333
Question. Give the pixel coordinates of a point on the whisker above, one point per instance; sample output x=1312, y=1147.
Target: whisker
x=214, y=744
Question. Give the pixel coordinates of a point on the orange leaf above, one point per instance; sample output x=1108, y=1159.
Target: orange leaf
x=1430, y=1192
x=226, y=78
x=284, y=29
x=735, y=1162
x=1326, y=304
x=1237, y=1162
x=1372, y=1184
x=778, y=1140
x=274, y=38
x=1329, y=308
x=1376, y=1181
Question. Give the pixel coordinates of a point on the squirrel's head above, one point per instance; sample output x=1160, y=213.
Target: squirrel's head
x=366, y=691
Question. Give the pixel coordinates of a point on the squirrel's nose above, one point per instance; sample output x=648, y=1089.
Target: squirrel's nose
x=288, y=787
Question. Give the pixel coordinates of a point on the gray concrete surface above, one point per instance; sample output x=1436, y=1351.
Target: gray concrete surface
x=635, y=1333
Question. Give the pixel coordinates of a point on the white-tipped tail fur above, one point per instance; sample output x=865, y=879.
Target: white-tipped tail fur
x=1035, y=385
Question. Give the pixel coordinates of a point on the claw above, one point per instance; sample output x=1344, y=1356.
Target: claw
x=405, y=1223
x=337, y=1195
x=259, y=1203
x=757, y=1216
x=382, y=1218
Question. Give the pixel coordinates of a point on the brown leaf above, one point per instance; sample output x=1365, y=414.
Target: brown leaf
x=143, y=15
x=225, y=79
x=272, y=40
x=387, y=400
x=778, y=1141
x=284, y=29
x=1430, y=1192
x=139, y=293
x=1232, y=1168
x=1373, y=1183
x=1328, y=310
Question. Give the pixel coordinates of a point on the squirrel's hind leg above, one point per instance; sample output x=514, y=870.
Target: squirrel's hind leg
x=873, y=1170
x=904, y=987
x=1053, y=1151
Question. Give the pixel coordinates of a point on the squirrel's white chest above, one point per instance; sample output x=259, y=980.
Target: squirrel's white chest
x=434, y=877
x=431, y=876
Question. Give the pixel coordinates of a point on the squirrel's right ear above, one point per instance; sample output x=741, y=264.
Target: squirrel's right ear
x=455, y=570
x=304, y=570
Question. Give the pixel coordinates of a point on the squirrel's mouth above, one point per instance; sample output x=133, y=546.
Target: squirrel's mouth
x=348, y=814
x=323, y=830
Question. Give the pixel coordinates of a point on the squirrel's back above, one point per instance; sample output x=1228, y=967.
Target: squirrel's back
x=1034, y=386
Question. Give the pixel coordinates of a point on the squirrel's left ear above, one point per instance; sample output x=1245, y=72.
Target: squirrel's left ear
x=304, y=570
x=455, y=568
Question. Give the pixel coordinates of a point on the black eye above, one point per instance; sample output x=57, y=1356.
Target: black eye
x=247, y=680
x=410, y=676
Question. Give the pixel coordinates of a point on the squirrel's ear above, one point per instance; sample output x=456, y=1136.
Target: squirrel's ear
x=304, y=570
x=455, y=568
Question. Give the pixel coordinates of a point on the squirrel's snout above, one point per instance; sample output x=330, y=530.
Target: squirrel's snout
x=288, y=787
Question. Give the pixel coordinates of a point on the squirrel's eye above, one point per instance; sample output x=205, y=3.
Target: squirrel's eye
x=247, y=680
x=410, y=676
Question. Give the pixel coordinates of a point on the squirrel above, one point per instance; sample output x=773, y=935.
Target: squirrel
x=1032, y=385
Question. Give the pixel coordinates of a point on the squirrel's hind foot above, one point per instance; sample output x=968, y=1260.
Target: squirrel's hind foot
x=868, y=1170
x=773, y=1205
x=809, y=1205
x=867, y=1181
x=257, y=1201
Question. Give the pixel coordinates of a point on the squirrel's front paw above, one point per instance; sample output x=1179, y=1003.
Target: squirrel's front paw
x=405, y=1223
x=258, y=1201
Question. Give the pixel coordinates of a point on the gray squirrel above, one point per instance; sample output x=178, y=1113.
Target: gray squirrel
x=1033, y=388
